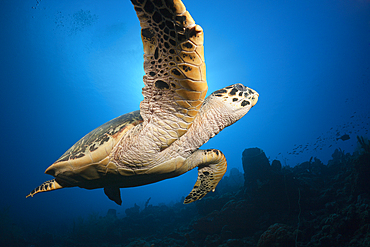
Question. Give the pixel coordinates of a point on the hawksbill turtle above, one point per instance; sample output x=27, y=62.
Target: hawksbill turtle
x=162, y=140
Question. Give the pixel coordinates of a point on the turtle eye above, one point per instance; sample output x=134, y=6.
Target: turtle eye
x=239, y=87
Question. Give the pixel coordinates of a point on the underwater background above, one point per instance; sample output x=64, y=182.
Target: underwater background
x=69, y=66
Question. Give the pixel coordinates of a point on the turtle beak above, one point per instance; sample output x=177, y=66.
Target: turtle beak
x=254, y=99
x=252, y=95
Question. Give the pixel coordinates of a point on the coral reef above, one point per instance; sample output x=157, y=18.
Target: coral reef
x=277, y=235
x=270, y=205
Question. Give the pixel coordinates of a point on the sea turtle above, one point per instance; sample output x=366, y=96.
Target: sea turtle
x=161, y=140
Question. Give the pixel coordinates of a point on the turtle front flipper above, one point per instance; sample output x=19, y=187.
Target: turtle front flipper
x=212, y=166
x=175, y=71
x=46, y=186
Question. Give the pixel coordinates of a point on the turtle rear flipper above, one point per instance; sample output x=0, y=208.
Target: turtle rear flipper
x=114, y=194
x=46, y=186
x=211, y=168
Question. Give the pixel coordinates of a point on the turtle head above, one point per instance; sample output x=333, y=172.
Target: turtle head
x=226, y=106
x=237, y=95
x=237, y=99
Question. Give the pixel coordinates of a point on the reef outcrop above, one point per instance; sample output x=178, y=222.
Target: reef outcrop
x=269, y=205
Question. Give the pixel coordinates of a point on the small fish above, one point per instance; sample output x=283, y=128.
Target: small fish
x=344, y=137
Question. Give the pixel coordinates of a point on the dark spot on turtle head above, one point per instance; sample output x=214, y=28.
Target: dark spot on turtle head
x=206, y=173
x=239, y=87
x=235, y=99
x=250, y=91
x=240, y=93
x=246, y=94
x=233, y=91
x=151, y=73
x=173, y=84
x=245, y=102
x=220, y=91
x=161, y=85
x=216, y=151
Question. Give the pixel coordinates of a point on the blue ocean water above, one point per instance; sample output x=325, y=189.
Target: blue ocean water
x=68, y=67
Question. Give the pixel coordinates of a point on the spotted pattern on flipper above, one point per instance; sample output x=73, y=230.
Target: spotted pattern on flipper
x=46, y=186
x=175, y=76
x=211, y=168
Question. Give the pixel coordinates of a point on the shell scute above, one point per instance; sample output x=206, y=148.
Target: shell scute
x=96, y=145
